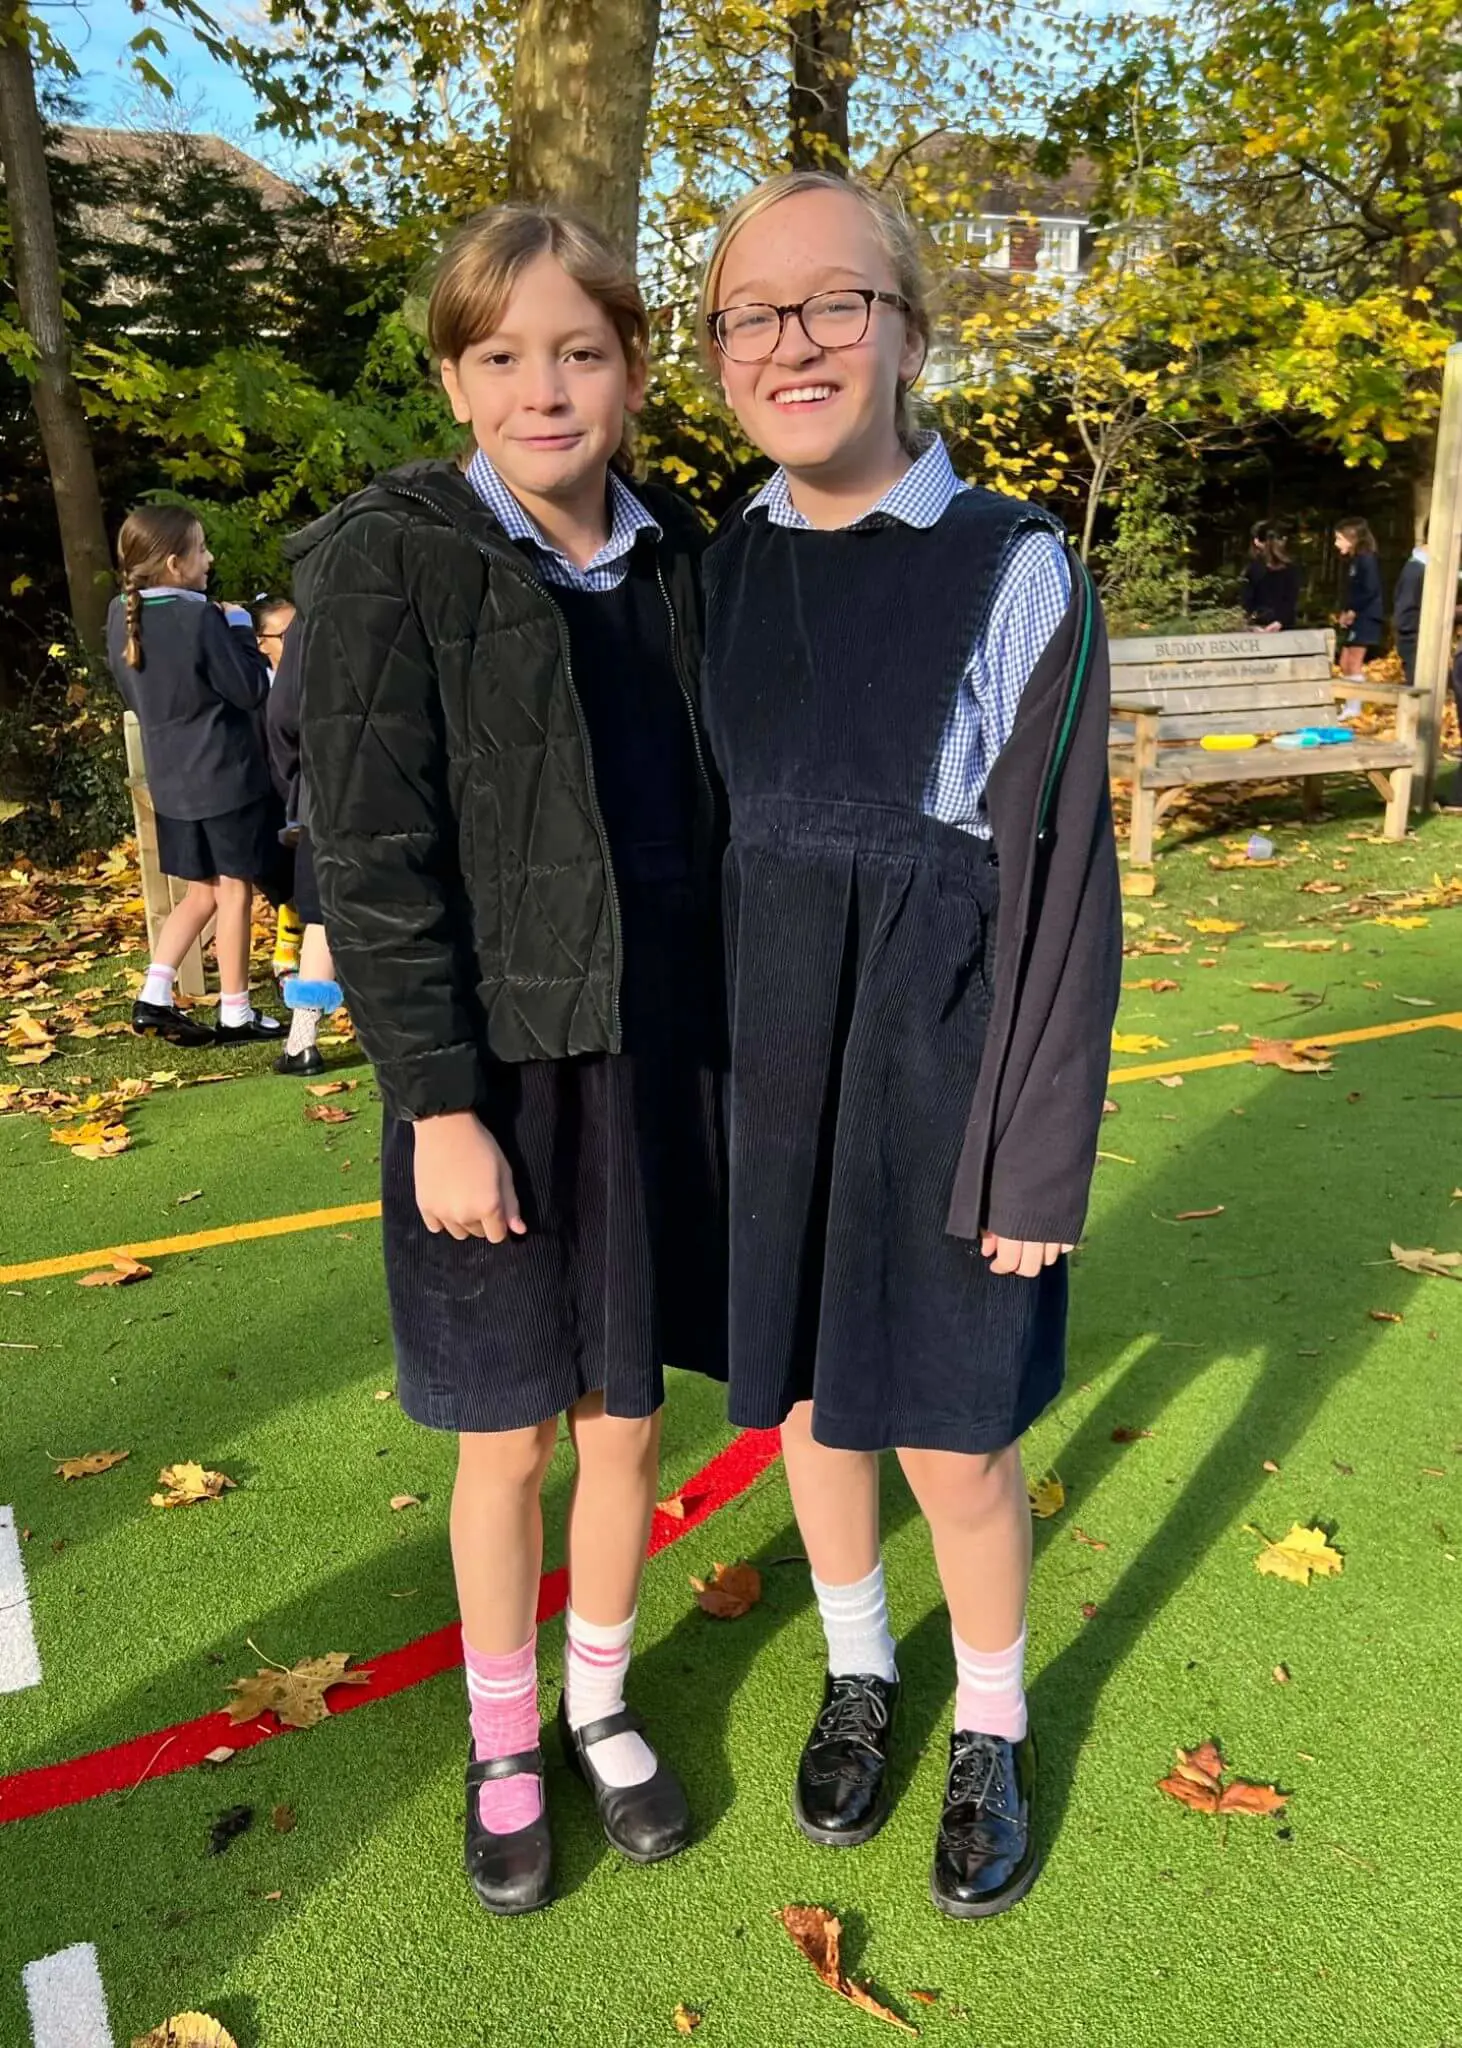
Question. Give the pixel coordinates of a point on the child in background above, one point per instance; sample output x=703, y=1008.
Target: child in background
x=1363, y=616
x=309, y=987
x=273, y=617
x=1271, y=594
x=516, y=844
x=193, y=674
x=906, y=692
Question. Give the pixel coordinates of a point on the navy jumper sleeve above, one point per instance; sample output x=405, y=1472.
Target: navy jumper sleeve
x=230, y=662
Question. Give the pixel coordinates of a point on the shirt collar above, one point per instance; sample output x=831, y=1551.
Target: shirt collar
x=920, y=498
x=627, y=516
x=174, y=590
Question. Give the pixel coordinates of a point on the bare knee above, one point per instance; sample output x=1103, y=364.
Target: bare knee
x=204, y=895
x=960, y=1486
x=507, y=1457
x=797, y=1429
x=615, y=1443
x=232, y=890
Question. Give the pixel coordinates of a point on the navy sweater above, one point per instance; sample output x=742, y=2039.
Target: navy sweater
x=198, y=697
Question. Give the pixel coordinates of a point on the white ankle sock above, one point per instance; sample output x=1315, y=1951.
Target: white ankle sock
x=303, y=1025
x=990, y=1696
x=595, y=1661
x=235, y=1010
x=855, y=1622
x=157, y=986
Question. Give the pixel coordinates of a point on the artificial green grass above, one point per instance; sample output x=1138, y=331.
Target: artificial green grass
x=1237, y=1339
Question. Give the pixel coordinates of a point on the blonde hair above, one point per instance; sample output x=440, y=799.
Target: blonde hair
x=896, y=234
x=488, y=254
x=151, y=536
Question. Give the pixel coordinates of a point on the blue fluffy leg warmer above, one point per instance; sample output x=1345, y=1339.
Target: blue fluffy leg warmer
x=312, y=995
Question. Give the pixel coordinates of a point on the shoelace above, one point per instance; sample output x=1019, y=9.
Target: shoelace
x=976, y=1773
x=853, y=1714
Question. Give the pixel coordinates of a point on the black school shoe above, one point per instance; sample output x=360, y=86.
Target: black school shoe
x=842, y=1790
x=161, y=1020
x=645, y=1822
x=984, y=1857
x=260, y=1025
x=509, y=1873
x=309, y=1061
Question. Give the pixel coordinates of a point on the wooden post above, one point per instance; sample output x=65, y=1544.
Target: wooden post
x=160, y=892
x=1439, y=592
x=1144, y=801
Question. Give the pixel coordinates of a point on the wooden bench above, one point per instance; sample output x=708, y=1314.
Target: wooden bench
x=1169, y=693
x=160, y=892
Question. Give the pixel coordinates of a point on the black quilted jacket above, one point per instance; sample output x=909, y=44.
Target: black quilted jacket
x=461, y=856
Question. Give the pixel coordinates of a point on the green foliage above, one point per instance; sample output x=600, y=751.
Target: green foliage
x=63, y=763
x=1145, y=571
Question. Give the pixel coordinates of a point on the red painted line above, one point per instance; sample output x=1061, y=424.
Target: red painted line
x=165, y=1750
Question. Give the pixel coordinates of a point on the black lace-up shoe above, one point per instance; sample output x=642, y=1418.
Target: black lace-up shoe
x=645, y=1822
x=841, y=1797
x=509, y=1873
x=161, y=1020
x=984, y=1857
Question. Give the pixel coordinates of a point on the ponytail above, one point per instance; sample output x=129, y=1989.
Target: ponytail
x=149, y=539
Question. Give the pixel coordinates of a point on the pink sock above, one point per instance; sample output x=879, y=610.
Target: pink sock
x=990, y=1696
x=502, y=1697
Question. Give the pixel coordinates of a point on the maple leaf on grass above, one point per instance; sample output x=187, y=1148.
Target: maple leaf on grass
x=297, y=1695
x=328, y=1113
x=187, y=2030
x=189, y=1482
x=122, y=1272
x=1301, y=1554
x=1047, y=1495
x=818, y=1934
x=92, y=1462
x=1442, y=1265
x=1196, y=1780
x=731, y=1591
x=685, y=2019
x=1284, y=1053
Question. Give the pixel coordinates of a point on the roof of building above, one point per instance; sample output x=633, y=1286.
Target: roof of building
x=115, y=148
x=1004, y=182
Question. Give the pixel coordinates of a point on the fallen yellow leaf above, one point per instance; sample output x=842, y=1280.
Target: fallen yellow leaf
x=731, y=1591
x=1047, y=1496
x=1212, y=924
x=296, y=1696
x=684, y=2020
x=1137, y=1042
x=187, y=1483
x=1403, y=924
x=94, y=1461
x=1298, y=1555
x=187, y=2030
x=1444, y=1265
x=122, y=1272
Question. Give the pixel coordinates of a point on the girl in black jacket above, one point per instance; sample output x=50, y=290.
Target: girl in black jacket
x=515, y=844
x=193, y=674
x=1362, y=617
x=905, y=684
x=1271, y=593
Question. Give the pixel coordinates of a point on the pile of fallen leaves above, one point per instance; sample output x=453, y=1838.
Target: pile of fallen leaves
x=1197, y=1780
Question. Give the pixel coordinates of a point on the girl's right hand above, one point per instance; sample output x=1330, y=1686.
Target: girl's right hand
x=464, y=1184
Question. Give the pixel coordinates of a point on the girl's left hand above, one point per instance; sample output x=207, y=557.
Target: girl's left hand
x=1017, y=1255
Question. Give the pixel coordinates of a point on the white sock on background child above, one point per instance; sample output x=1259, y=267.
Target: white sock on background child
x=157, y=986
x=235, y=1010
x=990, y=1696
x=596, y=1658
x=855, y=1622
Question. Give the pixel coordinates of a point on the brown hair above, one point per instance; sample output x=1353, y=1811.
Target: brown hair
x=1275, y=543
x=489, y=253
x=896, y=234
x=1359, y=535
x=150, y=537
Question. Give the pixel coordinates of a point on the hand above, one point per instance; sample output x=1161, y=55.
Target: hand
x=1345, y=618
x=1273, y=627
x=464, y=1184
x=1016, y=1255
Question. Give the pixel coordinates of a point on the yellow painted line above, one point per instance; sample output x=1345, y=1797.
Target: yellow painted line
x=365, y=1212
x=1242, y=1056
x=195, y=1241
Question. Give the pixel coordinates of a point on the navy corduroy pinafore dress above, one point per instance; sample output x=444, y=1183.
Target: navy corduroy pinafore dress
x=860, y=948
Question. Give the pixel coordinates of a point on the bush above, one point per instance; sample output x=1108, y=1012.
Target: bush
x=63, y=777
x=1145, y=572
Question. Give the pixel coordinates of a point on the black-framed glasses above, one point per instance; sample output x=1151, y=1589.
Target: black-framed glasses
x=830, y=320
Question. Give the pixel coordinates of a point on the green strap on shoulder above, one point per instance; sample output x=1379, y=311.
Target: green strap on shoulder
x=1073, y=700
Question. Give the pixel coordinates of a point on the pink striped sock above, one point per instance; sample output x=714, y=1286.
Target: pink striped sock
x=990, y=1696
x=502, y=1698
x=595, y=1660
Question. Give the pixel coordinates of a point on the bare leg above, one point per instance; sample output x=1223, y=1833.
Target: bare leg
x=835, y=1494
x=497, y=1533
x=183, y=924
x=610, y=1509
x=231, y=934
x=315, y=961
x=979, y=1516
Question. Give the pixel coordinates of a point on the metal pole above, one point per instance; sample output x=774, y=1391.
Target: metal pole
x=1439, y=592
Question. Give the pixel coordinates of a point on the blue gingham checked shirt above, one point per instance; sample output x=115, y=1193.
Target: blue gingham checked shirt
x=1028, y=606
x=604, y=571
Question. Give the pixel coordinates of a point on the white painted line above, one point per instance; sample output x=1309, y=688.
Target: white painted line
x=20, y=1661
x=68, y=2007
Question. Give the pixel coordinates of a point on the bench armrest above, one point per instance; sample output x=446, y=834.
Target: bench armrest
x=1129, y=708
x=1344, y=687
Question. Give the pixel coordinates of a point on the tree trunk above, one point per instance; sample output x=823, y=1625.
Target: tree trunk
x=54, y=392
x=1094, y=493
x=581, y=98
x=822, y=79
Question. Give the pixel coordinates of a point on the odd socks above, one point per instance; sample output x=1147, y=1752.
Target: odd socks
x=855, y=1622
x=989, y=1698
x=596, y=1658
x=502, y=1694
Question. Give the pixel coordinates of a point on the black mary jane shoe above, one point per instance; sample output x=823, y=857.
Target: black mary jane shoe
x=161, y=1020
x=307, y=1062
x=984, y=1857
x=842, y=1780
x=645, y=1822
x=509, y=1873
x=260, y=1025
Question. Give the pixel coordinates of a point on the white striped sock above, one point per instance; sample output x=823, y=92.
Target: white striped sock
x=855, y=1622
x=595, y=1659
x=990, y=1695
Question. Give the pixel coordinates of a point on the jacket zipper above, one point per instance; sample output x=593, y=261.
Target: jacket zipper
x=516, y=567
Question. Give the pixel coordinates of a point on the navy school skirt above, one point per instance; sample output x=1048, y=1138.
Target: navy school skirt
x=243, y=844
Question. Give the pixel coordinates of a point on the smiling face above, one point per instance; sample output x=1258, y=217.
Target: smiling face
x=826, y=415
x=547, y=390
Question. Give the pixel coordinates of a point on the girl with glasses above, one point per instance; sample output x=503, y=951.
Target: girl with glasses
x=906, y=690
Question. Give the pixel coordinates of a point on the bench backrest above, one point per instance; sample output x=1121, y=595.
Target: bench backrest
x=1227, y=682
